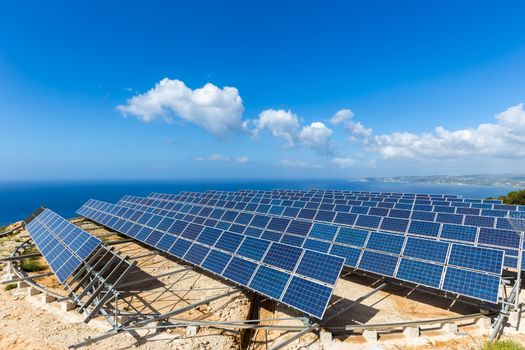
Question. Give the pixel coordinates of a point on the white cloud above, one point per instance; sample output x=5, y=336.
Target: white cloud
x=296, y=163
x=216, y=110
x=316, y=136
x=358, y=131
x=213, y=158
x=344, y=162
x=279, y=123
x=504, y=139
x=222, y=158
x=243, y=159
x=341, y=116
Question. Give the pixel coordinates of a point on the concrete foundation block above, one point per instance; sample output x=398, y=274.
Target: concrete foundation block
x=67, y=306
x=484, y=323
x=121, y=319
x=325, y=338
x=32, y=292
x=8, y=276
x=451, y=328
x=22, y=284
x=192, y=331
x=370, y=336
x=46, y=298
x=412, y=332
x=515, y=320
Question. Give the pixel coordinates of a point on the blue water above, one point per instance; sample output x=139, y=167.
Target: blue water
x=18, y=200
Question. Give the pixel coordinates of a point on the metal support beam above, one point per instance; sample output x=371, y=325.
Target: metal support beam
x=143, y=323
x=20, y=257
x=27, y=278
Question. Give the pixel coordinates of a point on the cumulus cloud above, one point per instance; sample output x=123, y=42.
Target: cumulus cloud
x=358, y=132
x=222, y=158
x=216, y=110
x=503, y=139
x=341, y=116
x=316, y=136
x=344, y=162
x=279, y=123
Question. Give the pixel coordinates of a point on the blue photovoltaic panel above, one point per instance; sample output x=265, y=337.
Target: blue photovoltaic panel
x=283, y=256
x=270, y=281
x=379, y=263
x=368, y=221
x=229, y=241
x=325, y=206
x=488, y=260
x=216, y=261
x=352, y=236
x=350, y=254
x=196, y=253
x=394, y=224
x=474, y=284
x=385, y=242
x=240, y=270
x=420, y=272
x=63, y=245
x=460, y=233
x=299, y=227
x=236, y=270
x=321, y=267
x=424, y=228
x=482, y=221
x=449, y=218
x=293, y=240
x=307, y=296
x=253, y=248
x=426, y=249
x=318, y=246
x=325, y=232
x=502, y=238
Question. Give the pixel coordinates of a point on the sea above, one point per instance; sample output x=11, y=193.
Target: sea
x=19, y=199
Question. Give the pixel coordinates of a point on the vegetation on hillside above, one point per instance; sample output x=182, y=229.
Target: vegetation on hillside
x=32, y=264
x=9, y=286
x=515, y=197
x=503, y=345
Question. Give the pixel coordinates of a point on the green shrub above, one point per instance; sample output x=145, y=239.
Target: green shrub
x=503, y=345
x=10, y=286
x=32, y=265
x=515, y=198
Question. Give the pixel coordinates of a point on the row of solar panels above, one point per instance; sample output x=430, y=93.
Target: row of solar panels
x=348, y=192
x=507, y=240
x=466, y=270
x=302, y=279
x=384, y=201
x=378, y=197
x=63, y=245
x=343, y=193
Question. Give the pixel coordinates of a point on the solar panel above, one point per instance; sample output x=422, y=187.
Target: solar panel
x=479, y=285
x=420, y=272
x=63, y=245
x=239, y=257
x=345, y=241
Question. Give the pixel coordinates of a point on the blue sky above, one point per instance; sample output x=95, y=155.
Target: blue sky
x=170, y=90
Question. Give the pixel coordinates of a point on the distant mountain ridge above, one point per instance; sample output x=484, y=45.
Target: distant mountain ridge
x=510, y=180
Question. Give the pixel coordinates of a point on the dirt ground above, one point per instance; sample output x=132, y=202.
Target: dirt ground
x=27, y=323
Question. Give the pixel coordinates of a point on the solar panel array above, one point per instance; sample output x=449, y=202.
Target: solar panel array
x=414, y=216
x=301, y=278
x=63, y=245
x=418, y=260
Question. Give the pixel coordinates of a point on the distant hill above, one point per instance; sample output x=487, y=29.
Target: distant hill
x=509, y=180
